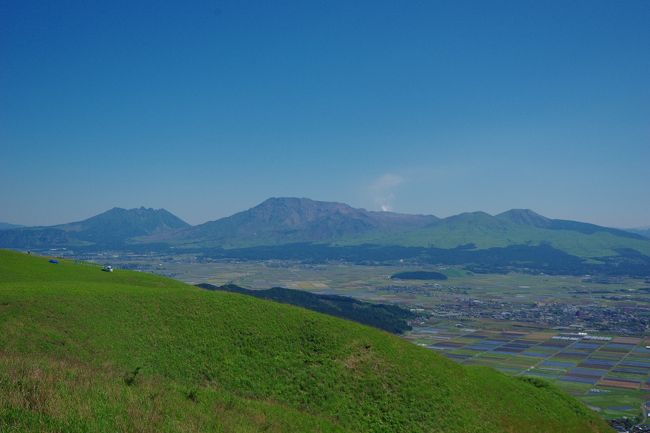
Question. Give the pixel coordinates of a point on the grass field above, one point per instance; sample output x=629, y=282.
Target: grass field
x=89, y=351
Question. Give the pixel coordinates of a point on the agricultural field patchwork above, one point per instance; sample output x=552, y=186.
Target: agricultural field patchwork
x=611, y=374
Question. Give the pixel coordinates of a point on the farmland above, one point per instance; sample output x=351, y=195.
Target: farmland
x=610, y=374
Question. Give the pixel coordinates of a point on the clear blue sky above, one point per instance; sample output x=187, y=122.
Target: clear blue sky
x=209, y=107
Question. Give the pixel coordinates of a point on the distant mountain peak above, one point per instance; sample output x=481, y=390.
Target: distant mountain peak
x=301, y=202
x=527, y=212
x=276, y=200
x=525, y=217
x=114, y=227
x=141, y=209
x=293, y=220
x=471, y=216
x=477, y=213
x=118, y=224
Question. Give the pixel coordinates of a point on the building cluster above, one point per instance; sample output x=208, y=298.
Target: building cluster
x=622, y=320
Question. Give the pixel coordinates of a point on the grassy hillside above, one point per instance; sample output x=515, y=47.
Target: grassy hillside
x=503, y=234
x=87, y=351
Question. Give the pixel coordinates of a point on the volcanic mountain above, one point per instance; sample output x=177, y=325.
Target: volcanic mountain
x=291, y=220
x=114, y=227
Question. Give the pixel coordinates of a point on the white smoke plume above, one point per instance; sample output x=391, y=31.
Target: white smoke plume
x=383, y=190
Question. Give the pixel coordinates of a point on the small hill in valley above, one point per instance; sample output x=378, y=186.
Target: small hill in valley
x=419, y=275
x=390, y=318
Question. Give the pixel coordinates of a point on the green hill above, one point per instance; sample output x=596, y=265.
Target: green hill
x=88, y=351
x=391, y=318
x=515, y=227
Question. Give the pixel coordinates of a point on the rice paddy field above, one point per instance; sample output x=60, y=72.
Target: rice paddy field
x=610, y=374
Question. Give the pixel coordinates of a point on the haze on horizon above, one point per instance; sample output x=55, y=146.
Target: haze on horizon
x=434, y=108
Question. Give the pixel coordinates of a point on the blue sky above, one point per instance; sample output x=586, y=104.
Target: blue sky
x=209, y=107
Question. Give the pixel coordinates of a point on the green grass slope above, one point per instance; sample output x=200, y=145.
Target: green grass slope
x=502, y=234
x=87, y=351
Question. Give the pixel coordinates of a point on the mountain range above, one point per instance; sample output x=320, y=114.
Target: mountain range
x=279, y=221
x=280, y=224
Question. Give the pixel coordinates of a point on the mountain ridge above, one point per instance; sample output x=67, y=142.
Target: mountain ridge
x=289, y=220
